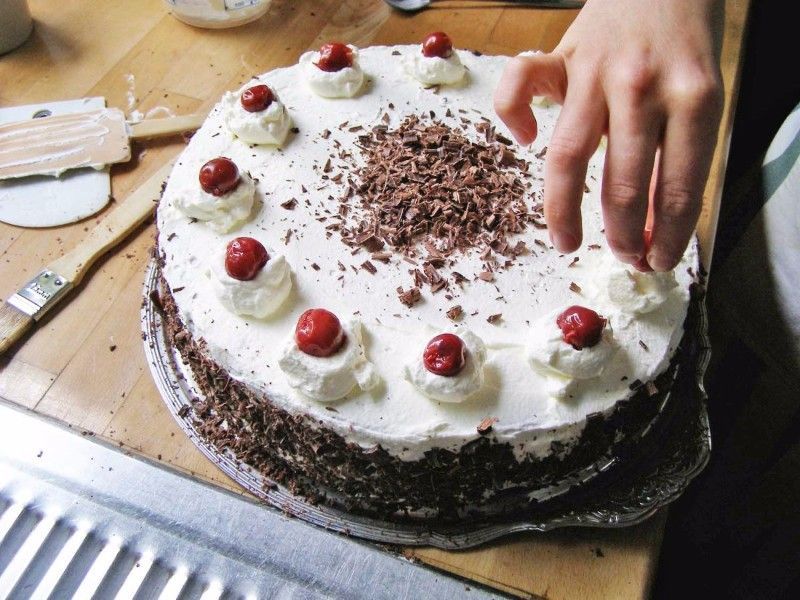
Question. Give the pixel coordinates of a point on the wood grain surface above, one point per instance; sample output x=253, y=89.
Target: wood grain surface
x=84, y=364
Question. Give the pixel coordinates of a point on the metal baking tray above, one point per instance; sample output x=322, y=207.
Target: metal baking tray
x=618, y=493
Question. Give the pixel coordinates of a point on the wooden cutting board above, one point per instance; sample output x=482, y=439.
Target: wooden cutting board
x=85, y=365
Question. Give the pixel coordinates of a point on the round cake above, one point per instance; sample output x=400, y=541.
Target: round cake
x=355, y=266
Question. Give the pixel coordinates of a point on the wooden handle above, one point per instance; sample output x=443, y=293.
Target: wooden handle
x=13, y=325
x=111, y=230
x=158, y=127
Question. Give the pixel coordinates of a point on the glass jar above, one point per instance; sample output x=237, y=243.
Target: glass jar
x=217, y=14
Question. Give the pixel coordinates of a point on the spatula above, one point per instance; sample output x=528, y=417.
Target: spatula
x=40, y=294
x=54, y=144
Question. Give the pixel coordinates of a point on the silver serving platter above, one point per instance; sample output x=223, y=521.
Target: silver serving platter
x=616, y=493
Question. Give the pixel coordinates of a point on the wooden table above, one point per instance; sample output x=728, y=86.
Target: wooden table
x=84, y=364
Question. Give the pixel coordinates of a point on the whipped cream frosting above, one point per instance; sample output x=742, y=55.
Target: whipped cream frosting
x=258, y=297
x=268, y=126
x=455, y=388
x=638, y=293
x=559, y=362
x=344, y=83
x=434, y=70
x=396, y=414
x=330, y=378
x=220, y=213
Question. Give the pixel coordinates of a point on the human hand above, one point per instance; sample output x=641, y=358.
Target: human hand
x=647, y=74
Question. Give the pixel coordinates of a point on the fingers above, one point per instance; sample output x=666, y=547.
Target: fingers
x=576, y=136
x=634, y=133
x=687, y=149
x=523, y=78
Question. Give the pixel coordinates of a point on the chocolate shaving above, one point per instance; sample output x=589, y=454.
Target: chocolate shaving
x=485, y=426
x=409, y=297
x=289, y=204
x=652, y=388
x=454, y=313
x=494, y=318
x=573, y=262
x=381, y=256
x=486, y=276
x=574, y=287
x=644, y=346
x=369, y=267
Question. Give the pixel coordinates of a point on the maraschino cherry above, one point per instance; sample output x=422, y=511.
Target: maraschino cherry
x=219, y=176
x=257, y=98
x=244, y=258
x=437, y=44
x=334, y=56
x=642, y=264
x=445, y=355
x=319, y=332
x=580, y=327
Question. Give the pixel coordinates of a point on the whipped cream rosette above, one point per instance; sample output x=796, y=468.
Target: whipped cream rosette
x=329, y=378
x=455, y=387
x=258, y=297
x=267, y=126
x=222, y=209
x=344, y=81
x=559, y=362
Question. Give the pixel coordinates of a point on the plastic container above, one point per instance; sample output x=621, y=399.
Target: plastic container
x=217, y=14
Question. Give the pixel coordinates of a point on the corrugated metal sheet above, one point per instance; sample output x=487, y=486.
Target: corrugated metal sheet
x=80, y=519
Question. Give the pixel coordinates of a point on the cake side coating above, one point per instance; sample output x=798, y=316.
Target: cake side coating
x=301, y=453
x=405, y=425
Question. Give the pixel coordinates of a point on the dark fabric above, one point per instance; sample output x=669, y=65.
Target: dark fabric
x=736, y=532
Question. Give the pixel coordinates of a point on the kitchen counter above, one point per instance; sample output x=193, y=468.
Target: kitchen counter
x=84, y=365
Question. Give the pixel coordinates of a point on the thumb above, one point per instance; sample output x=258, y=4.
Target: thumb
x=524, y=77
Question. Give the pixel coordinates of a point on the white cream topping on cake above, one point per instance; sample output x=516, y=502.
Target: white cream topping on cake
x=434, y=70
x=258, y=297
x=396, y=414
x=220, y=213
x=638, y=293
x=268, y=126
x=560, y=363
x=344, y=83
x=453, y=388
x=330, y=378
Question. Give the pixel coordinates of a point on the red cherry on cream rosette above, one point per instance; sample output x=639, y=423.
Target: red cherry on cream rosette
x=438, y=44
x=333, y=71
x=445, y=355
x=319, y=333
x=334, y=56
x=437, y=63
x=257, y=98
x=450, y=367
x=244, y=258
x=580, y=327
x=219, y=176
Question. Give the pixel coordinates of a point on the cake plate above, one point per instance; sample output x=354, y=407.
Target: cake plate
x=624, y=491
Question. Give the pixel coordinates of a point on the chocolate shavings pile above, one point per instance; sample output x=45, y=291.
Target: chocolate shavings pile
x=425, y=186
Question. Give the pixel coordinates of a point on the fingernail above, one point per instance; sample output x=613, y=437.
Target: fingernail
x=660, y=262
x=564, y=242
